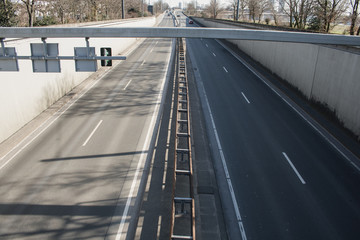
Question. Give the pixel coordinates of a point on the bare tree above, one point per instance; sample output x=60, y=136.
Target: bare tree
x=354, y=15
x=30, y=8
x=273, y=11
x=238, y=7
x=263, y=6
x=302, y=11
x=253, y=6
x=328, y=11
x=298, y=12
x=66, y=11
x=214, y=9
x=234, y=5
x=60, y=9
x=257, y=8
x=190, y=8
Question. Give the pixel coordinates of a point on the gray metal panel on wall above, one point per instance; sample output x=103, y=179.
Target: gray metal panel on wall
x=42, y=65
x=9, y=65
x=85, y=65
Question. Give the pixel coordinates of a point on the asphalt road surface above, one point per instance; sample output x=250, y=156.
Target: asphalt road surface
x=78, y=178
x=288, y=181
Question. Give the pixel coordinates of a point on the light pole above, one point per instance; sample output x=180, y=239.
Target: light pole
x=237, y=10
x=122, y=9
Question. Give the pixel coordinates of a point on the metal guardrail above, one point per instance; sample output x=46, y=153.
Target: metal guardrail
x=159, y=32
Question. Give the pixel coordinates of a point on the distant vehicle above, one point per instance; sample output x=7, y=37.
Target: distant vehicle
x=191, y=22
x=178, y=15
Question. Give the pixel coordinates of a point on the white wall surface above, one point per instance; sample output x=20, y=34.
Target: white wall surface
x=325, y=74
x=24, y=94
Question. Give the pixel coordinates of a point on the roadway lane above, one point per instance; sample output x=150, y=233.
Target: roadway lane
x=288, y=181
x=79, y=178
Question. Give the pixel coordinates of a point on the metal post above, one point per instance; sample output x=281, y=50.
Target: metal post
x=237, y=11
x=45, y=52
x=44, y=46
x=3, y=46
x=122, y=9
x=87, y=46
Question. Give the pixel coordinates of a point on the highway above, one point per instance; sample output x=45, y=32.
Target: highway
x=288, y=182
x=79, y=175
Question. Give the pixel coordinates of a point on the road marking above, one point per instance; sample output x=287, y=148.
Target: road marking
x=227, y=175
x=206, y=45
x=45, y=125
x=315, y=125
x=222, y=157
x=50, y=121
x=127, y=84
x=294, y=168
x=225, y=70
x=153, y=122
x=152, y=49
x=245, y=97
x=92, y=133
x=143, y=62
x=214, y=54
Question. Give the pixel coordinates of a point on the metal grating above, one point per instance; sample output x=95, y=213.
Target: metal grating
x=183, y=212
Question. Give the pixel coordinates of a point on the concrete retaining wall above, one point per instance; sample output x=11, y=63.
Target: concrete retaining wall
x=328, y=75
x=24, y=94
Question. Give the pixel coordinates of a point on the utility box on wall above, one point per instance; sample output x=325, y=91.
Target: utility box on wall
x=106, y=51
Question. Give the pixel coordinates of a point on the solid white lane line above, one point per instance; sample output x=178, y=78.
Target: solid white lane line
x=127, y=84
x=294, y=168
x=143, y=62
x=206, y=45
x=225, y=70
x=214, y=54
x=245, y=97
x=92, y=133
x=227, y=175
